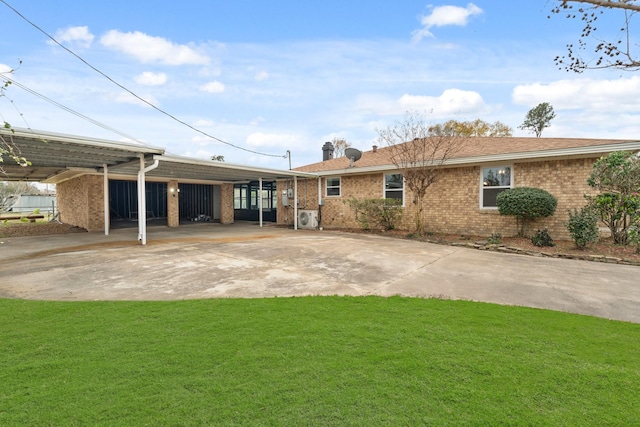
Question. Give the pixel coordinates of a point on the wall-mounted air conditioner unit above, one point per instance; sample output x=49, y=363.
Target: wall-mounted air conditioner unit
x=307, y=219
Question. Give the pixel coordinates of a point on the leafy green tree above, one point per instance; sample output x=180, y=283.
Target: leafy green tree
x=615, y=50
x=617, y=176
x=477, y=127
x=526, y=204
x=538, y=118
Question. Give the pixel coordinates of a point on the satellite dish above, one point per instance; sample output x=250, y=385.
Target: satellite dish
x=353, y=154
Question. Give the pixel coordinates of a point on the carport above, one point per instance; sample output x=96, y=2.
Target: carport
x=66, y=159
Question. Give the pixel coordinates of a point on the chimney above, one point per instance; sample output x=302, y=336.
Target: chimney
x=375, y=149
x=327, y=151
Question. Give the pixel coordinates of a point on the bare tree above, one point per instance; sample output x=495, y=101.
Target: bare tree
x=10, y=190
x=420, y=156
x=620, y=51
x=339, y=145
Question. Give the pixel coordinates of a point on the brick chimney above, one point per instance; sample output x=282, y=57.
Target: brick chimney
x=375, y=149
x=327, y=151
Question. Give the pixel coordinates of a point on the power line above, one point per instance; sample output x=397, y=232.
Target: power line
x=69, y=110
x=131, y=92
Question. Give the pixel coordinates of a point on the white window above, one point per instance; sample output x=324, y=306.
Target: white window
x=394, y=187
x=333, y=186
x=495, y=180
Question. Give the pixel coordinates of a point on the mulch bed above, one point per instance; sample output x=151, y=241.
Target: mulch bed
x=37, y=229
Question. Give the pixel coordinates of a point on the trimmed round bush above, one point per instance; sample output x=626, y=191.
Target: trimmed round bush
x=526, y=204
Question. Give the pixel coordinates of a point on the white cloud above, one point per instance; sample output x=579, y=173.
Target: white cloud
x=149, y=49
x=127, y=98
x=445, y=15
x=4, y=68
x=76, y=36
x=149, y=78
x=262, y=75
x=204, y=123
x=452, y=101
x=620, y=95
x=256, y=121
x=269, y=140
x=213, y=87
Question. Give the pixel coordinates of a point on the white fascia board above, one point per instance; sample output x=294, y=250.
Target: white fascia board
x=506, y=157
x=233, y=166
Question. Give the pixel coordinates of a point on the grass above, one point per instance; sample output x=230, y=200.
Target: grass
x=313, y=361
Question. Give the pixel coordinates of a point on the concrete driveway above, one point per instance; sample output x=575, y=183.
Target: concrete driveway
x=246, y=261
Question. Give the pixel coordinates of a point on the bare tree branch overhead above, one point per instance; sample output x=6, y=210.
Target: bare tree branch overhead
x=610, y=50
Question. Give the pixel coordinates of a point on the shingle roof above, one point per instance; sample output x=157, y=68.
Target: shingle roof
x=484, y=149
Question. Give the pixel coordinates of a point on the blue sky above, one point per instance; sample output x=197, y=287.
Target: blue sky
x=272, y=76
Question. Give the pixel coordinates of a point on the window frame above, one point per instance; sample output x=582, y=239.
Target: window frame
x=333, y=187
x=385, y=189
x=494, y=187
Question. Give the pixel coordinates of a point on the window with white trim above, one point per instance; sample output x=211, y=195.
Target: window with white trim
x=495, y=180
x=333, y=186
x=394, y=187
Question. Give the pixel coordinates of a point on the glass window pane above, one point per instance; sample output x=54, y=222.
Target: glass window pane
x=393, y=181
x=489, y=196
x=499, y=176
x=333, y=191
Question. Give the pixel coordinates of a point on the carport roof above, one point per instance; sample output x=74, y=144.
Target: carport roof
x=57, y=157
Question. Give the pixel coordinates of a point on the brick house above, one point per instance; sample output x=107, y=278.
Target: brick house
x=463, y=199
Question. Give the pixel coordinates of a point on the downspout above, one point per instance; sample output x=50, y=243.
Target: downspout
x=142, y=198
x=107, y=208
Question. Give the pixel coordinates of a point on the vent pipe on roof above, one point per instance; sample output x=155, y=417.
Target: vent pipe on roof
x=327, y=151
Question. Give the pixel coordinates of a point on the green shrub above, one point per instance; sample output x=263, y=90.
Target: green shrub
x=542, y=238
x=617, y=177
x=526, y=204
x=495, y=239
x=633, y=236
x=376, y=213
x=583, y=226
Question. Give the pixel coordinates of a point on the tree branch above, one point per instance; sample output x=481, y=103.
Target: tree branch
x=620, y=4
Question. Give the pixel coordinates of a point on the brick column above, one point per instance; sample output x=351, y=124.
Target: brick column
x=173, y=206
x=226, y=204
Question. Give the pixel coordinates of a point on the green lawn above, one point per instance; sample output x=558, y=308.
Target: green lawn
x=313, y=361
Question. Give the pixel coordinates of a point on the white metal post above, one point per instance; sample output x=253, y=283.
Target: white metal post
x=107, y=208
x=260, y=200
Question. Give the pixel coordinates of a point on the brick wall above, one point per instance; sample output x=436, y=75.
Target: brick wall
x=81, y=202
x=452, y=204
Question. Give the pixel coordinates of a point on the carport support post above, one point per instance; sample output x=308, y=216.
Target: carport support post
x=295, y=202
x=142, y=214
x=107, y=208
x=260, y=200
x=142, y=198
